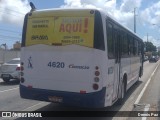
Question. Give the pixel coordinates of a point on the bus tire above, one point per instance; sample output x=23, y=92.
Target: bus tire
x=140, y=72
x=123, y=92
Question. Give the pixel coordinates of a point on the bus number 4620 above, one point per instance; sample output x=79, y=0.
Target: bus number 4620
x=56, y=64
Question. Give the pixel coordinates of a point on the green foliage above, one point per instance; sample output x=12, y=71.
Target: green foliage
x=158, y=53
x=150, y=47
x=154, y=53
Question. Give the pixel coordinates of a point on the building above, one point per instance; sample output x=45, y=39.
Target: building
x=17, y=46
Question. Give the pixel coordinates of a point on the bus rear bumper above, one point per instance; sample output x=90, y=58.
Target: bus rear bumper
x=86, y=100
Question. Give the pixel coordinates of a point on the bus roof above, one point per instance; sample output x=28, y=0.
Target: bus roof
x=103, y=13
x=113, y=19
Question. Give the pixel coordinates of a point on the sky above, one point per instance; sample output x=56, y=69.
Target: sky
x=12, y=14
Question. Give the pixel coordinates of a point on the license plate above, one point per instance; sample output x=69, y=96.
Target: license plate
x=5, y=75
x=55, y=99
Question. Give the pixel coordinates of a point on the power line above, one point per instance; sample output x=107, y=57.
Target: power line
x=13, y=11
x=2, y=27
x=10, y=13
x=9, y=37
x=9, y=31
x=7, y=40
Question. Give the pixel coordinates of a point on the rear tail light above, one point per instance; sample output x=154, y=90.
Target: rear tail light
x=95, y=86
x=22, y=73
x=18, y=69
x=82, y=91
x=96, y=79
x=97, y=73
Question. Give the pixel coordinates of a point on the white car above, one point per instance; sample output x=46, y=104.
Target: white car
x=11, y=70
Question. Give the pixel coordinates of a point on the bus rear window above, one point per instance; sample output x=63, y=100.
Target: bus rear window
x=83, y=28
x=98, y=32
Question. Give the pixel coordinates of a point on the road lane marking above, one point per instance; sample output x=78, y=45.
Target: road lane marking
x=146, y=109
x=9, y=90
x=143, y=90
x=32, y=106
x=36, y=105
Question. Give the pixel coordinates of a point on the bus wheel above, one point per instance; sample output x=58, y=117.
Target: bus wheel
x=140, y=72
x=123, y=92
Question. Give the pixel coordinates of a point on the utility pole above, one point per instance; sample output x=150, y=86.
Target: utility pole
x=4, y=51
x=135, y=19
x=147, y=43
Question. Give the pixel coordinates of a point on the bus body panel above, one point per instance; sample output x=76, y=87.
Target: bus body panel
x=60, y=69
x=88, y=100
x=42, y=82
x=55, y=70
x=120, y=66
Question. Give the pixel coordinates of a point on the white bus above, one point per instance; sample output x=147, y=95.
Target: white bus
x=78, y=57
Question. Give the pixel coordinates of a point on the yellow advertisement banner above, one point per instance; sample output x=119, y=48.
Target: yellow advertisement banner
x=57, y=30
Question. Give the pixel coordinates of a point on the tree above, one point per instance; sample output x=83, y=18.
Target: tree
x=154, y=53
x=150, y=47
x=158, y=53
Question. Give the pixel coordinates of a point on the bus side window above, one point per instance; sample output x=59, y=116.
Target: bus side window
x=110, y=41
x=128, y=41
x=131, y=42
x=124, y=46
x=139, y=48
x=135, y=52
x=115, y=33
x=116, y=44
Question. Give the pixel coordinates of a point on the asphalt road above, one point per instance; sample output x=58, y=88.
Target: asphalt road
x=10, y=99
x=150, y=101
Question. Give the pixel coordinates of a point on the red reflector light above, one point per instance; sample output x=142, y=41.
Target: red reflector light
x=95, y=86
x=97, y=73
x=82, y=91
x=29, y=86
